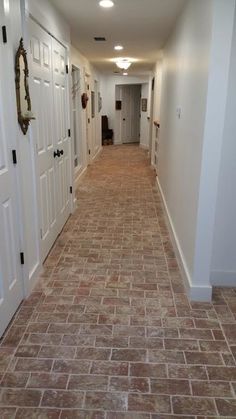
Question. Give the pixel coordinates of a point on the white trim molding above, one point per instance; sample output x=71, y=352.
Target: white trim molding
x=97, y=154
x=195, y=293
x=144, y=146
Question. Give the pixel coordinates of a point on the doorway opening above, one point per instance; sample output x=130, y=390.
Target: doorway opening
x=128, y=96
x=76, y=118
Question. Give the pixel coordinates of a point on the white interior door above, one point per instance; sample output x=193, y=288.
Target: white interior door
x=130, y=113
x=11, y=286
x=50, y=132
x=76, y=93
x=43, y=134
x=61, y=138
x=88, y=124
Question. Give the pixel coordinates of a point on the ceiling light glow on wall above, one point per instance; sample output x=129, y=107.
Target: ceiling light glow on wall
x=118, y=47
x=125, y=74
x=106, y=3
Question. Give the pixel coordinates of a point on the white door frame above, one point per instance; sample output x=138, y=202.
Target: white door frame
x=89, y=122
x=119, y=115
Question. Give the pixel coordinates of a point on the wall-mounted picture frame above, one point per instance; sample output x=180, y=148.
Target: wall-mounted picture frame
x=92, y=104
x=118, y=105
x=99, y=102
x=144, y=105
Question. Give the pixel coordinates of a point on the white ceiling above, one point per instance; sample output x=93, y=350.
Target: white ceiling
x=141, y=26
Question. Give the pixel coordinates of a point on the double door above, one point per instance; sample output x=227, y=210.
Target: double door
x=48, y=80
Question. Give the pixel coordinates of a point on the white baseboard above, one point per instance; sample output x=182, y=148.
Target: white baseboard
x=96, y=155
x=32, y=279
x=144, y=146
x=223, y=278
x=79, y=175
x=195, y=293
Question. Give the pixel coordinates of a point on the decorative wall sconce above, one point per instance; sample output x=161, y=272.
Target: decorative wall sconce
x=84, y=100
x=23, y=101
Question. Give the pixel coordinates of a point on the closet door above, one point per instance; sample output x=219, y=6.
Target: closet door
x=60, y=132
x=11, y=285
x=130, y=113
x=43, y=133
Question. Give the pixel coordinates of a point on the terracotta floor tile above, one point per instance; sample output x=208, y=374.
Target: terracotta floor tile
x=20, y=397
x=14, y=379
x=106, y=401
x=109, y=332
x=191, y=405
x=81, y=414
x=149, y=403
x=24, y=413
x=211, y=389
x=7, y=412
x=62, y=399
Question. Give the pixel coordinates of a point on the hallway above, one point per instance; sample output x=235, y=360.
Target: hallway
x=109, y=327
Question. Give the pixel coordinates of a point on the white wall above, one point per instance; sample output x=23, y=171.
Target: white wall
x=223, y=268
x=108, y=91
x=156, y=116
x=213, y=139
x=144, y=122
x=195, y=82
x=185, y=78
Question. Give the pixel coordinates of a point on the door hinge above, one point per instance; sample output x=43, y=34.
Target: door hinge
x=4, y=34
x=89, y=152
x=14, y=158
x=67, y=69
x=22, y=258
x=88, y=120
x=41, y=233
x=69, y=132
x=71, y=189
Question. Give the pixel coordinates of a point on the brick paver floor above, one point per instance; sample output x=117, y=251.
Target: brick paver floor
x=109, y=331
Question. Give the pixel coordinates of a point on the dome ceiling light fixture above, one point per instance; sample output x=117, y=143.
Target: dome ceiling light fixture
x=123, y=63
x=106, y=3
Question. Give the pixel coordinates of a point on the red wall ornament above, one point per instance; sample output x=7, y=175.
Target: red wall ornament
x=84, y=100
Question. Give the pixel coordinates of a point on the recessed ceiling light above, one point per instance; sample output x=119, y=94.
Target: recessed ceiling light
x=118, y=47
x=106, y=3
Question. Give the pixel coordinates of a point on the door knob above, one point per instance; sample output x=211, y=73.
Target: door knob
x=123, y=119
x=56, y=154
x=61, y=152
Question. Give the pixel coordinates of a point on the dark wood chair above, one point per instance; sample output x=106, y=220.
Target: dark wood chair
x=107, y=134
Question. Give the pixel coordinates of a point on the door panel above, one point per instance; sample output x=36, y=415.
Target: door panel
x=61, y=139
x=130, y=114
x=11, y=286
x=42, y=103
x=88, y=122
